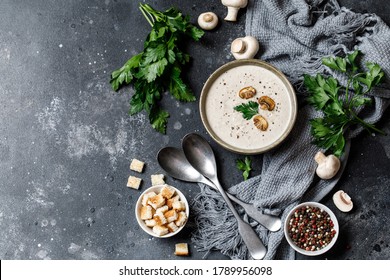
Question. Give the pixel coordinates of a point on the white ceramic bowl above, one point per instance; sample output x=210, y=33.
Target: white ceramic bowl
x=142, y=224
x=296, y=247
x=227, y=126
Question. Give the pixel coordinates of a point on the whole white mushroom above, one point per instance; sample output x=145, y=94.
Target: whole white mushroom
x=245, y=47
x=233, y=7
x=328, y=166
x=208, y=20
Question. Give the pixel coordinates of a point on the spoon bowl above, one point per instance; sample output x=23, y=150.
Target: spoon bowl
x=175, y=163
x=200, y=155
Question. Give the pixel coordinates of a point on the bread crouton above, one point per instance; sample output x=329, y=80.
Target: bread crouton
x=172, y=227
x=157, y=179
x=137, y=165
x=160, y=219
x=146, y=197
x=181, y=219
x=172, y=200
x=146, y=212
x=162, y=209
x=157, y=201
x=160, y=230
x=171, y=215
x=167, y=191
x=181, y=249
x=179, y=206
x=150, y=223
x=134, y=182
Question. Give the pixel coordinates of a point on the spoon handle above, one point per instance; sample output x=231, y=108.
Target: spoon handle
x=252, y=241
x=271, y=222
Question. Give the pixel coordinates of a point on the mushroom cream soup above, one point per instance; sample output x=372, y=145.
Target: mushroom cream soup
x=229, y=125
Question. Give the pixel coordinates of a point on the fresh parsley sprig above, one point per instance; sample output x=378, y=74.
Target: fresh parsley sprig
x=339, y=103
x=248, y=110
x=158, y=68
x=245, y=166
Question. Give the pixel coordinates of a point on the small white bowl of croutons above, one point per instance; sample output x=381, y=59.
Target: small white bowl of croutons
x=162, y=211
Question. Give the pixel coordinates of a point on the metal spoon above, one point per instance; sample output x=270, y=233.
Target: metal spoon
x=175, y=163
x=201, y=156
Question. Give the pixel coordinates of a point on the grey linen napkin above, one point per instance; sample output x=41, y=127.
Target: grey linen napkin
x=294, y=35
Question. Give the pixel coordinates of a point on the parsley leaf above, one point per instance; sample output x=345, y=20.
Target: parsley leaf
x=245, y=166
x=126, y=72
x=153, y=53
x=158, y=67
x=195, y=33
x=338, y=103
x=373, y=77
x=319, y=98
x=153, y=70
x=248, y=110
x=159, y=119
x=178, y=88
x=328, y=134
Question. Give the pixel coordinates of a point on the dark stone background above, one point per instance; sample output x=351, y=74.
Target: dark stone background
x=66, y=140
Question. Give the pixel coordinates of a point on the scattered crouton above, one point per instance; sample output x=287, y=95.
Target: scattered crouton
x=137, y=165
x=134, y=182
x=181, y=249
x=160, y=230
x=157, y=179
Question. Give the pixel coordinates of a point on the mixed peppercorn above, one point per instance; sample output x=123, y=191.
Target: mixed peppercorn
x=311, y=228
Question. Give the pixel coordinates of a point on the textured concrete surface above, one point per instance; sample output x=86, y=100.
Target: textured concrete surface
x=66, y=140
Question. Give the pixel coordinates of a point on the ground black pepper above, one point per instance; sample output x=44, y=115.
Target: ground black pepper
x=311, y=228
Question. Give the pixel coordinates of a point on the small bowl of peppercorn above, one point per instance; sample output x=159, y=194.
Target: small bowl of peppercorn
x=311, y=228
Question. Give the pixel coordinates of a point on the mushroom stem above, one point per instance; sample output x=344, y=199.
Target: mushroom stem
x=345, y=198
x=233, y=7
x=319, y=157
x=207, y=17
x=232, y=14
x=238, y=46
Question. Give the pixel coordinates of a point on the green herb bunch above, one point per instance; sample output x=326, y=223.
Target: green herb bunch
x=339, y=103
x=158, y=68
